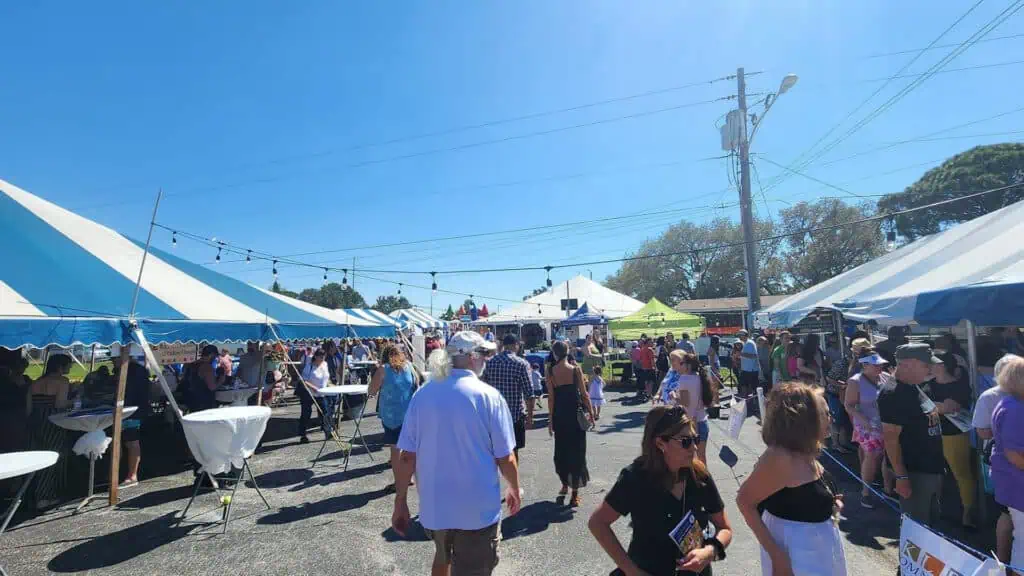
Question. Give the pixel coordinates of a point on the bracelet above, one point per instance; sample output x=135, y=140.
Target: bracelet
x=898, y=478
x=718, y=546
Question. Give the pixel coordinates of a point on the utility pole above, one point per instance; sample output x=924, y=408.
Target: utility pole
x=746, y=206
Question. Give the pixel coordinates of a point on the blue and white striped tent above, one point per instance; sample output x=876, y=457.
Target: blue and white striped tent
x=418, y=318
x=68, y=280
x=369, y=315
x=972, y=271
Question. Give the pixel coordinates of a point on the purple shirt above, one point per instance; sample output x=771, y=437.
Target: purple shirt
x=1008, y=433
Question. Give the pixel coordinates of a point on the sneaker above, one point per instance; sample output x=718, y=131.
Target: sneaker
x=304, y=440
x=128, y=483
x=866, y=502
x=521, y=493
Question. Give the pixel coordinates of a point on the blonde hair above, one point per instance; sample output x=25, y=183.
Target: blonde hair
x=679, y=355
x=1010, y=376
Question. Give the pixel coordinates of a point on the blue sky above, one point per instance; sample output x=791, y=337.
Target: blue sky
x=254, y=117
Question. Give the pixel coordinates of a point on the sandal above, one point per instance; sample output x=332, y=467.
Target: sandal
x=575, y=500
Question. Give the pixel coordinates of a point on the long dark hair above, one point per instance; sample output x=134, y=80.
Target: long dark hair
x=559, y=350
x=706, y=394
x=664, y=422
x=810, y=349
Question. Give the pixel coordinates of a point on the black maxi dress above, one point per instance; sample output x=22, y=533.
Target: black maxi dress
x=570, y=441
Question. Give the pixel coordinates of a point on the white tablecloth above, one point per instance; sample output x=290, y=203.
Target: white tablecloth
x=224, y=437
x=89, y=420
x=235, y=397
x=15, y=464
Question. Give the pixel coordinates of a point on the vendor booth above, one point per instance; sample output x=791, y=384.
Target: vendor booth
x=655, y=319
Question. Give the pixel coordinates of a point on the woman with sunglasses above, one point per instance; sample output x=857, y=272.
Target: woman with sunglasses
x=687, y=385
x=657, y=490
x=789, y=501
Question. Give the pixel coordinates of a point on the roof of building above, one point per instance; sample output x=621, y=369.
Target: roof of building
x=738, y=304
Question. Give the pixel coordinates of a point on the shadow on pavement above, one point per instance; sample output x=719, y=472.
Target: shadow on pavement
x=624, y=422
x=282, y=478
x=341, y=476
x=156, y=498
x=416, y=533
x=117, y=547
x=534, y=518
x=341, y=503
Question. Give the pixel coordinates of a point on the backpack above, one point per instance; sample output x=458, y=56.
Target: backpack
x=662, y=362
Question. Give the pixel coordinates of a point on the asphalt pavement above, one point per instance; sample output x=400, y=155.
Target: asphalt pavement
x=329, y=521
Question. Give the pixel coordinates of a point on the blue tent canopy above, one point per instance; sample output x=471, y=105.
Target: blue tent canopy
x=68, y=280
x=586, y=316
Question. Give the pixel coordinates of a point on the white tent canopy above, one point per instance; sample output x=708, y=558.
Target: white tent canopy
x=972, y=271
x=547, y=307
x=417, y=317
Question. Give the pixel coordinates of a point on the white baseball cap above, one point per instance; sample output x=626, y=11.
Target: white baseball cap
x=468, y=341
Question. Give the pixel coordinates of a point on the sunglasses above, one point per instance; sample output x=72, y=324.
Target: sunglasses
x=686, y=441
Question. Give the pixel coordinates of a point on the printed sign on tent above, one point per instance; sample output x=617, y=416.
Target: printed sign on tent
x=925, y=553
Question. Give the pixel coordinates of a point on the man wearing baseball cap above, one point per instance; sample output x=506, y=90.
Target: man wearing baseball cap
x=912, y=432
x=457, y=436
x=510, y=375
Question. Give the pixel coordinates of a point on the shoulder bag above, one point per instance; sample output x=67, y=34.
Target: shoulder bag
x=581, y=415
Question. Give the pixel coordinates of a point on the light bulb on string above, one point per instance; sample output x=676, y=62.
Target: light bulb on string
x=325, y=275
x=399, y=289
x=217, y=259
x=275, y=269
x=548, y=269
x=174, y=239
x=344, y=278
x=890, y=239
x=433, y=279
x=248, y=257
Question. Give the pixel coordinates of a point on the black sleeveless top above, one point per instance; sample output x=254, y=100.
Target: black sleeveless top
x=811, y=502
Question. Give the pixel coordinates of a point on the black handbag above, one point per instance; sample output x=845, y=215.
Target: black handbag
x=581, y=415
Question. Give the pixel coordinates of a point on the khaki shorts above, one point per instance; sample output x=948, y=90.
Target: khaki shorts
x=470, y=552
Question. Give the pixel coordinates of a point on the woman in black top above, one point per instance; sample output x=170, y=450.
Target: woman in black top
x=657, y=491
x=788, y=500
x=951, y=392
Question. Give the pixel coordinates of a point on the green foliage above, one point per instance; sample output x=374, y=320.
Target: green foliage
x=388, y=304
x=536, y=292
x=814, y=257
x=980, y=168
x=721, y=271
x=277, y=289
x=449, y=314
x=333, y=295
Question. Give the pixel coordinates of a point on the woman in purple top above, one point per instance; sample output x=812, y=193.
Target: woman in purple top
x=1008, y=452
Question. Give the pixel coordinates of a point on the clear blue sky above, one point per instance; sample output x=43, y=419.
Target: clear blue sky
x=250, y=116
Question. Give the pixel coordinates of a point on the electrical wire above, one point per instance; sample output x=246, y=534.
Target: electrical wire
x=227, y=248
x=949, y=71
x=939, y=46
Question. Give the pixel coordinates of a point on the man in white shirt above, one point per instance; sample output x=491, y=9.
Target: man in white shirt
x=457, y=436
x=685, y=345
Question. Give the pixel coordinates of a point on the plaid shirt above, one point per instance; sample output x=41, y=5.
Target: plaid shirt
x=510, y=375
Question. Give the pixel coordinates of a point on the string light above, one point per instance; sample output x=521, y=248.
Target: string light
x=399, y=288
x=433, y=279
x=275, y=269
x=325, y=275
x=217, y=259
x=248, y=257
x=548, y=269
x=174, y=239
x=890, y=239
x=344, y=279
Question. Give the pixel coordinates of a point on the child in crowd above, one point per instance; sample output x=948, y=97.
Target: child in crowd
x=597, y=393
x=537, y=384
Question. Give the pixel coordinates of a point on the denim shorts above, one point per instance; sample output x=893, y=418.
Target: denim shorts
x=703, y=431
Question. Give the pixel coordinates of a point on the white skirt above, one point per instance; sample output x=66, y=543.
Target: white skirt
x=814, y=549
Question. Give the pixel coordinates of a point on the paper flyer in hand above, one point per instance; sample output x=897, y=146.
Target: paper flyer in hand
x=687, y=535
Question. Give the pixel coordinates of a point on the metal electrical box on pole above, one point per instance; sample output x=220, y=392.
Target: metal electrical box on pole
x=746, y=206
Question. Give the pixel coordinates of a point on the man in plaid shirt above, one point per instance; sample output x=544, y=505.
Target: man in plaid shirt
x=510, y=375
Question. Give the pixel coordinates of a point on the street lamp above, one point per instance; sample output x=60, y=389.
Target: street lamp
x=788, y=81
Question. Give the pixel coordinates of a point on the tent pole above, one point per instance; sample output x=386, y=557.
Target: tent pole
x=92, y=359
x=115, y=453
x=972, y=356
x=142, y=266
x=154, y=366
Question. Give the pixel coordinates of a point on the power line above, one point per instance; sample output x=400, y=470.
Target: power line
x=226, y=247
x=936, y=47
x=950, y=70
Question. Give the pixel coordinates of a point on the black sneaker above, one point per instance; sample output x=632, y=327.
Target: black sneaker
x=304, y=440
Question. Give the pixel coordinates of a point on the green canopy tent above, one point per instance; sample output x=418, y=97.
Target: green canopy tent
x=655, y=319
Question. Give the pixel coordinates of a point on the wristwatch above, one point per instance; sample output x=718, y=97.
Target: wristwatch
x=718, y=546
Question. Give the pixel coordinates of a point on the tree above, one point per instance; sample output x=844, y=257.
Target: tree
x=696, y=268
x=388, y=304
x=449, y=314
x=536, y=292
x=814, y=257
x=980, y=168
x=277, y=289
x=334, y=296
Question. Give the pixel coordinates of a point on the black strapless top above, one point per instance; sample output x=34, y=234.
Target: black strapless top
x=811, y=502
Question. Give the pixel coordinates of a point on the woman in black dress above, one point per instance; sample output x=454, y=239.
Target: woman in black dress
x=659, y=490
x=567, y=396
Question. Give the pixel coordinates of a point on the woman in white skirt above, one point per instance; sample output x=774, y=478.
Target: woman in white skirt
x=788, y=500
